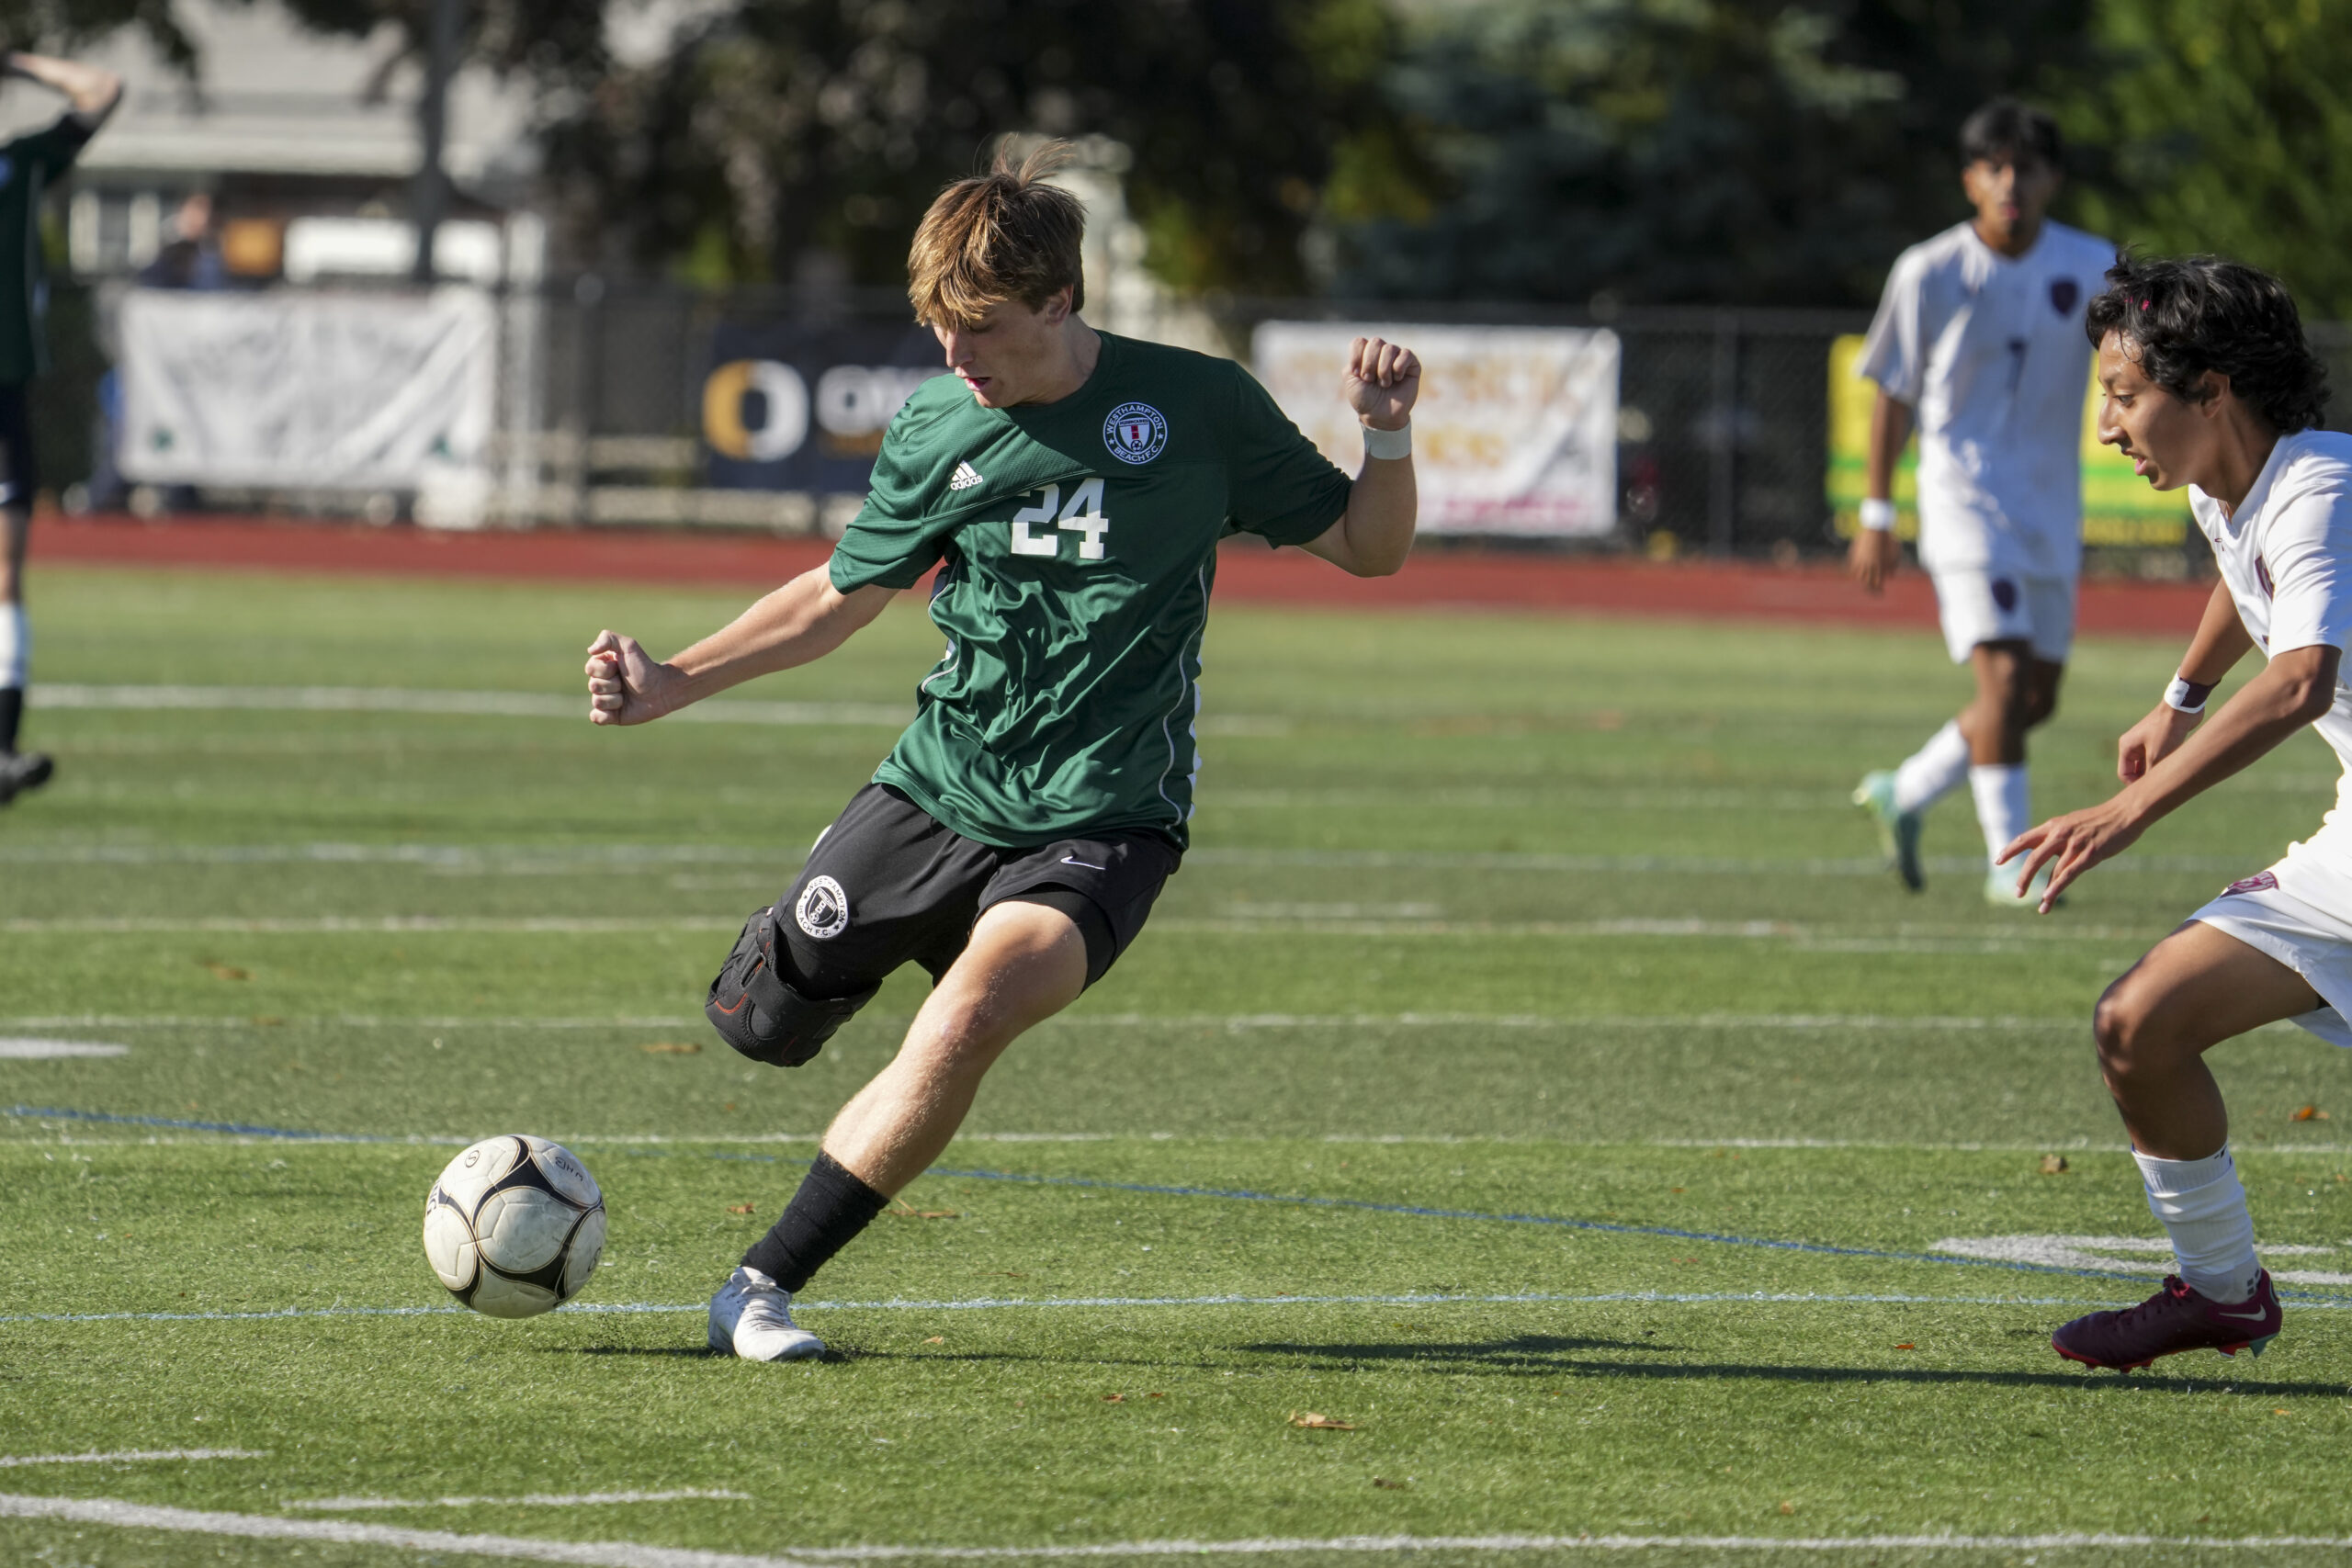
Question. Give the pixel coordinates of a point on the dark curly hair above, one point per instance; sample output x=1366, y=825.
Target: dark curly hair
x=2181, y=318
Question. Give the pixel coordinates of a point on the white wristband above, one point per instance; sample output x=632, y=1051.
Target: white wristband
x=1388, y=444
x=2187, y=695
x=1878, y=516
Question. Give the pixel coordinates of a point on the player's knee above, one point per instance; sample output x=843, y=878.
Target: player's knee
x=2040, y=706
x=2124, y=1027
x=758, y=1008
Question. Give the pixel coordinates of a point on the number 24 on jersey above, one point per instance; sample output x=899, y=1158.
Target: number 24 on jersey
x=1082, y=515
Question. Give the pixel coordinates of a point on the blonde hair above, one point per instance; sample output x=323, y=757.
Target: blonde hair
x=1002, y=235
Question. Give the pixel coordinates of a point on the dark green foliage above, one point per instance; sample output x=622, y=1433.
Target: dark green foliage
x=2231, y=128
x=1748, y=152
x=792, y=127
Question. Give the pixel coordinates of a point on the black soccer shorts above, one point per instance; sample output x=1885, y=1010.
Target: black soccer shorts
x=18, y=479
x=887, y=883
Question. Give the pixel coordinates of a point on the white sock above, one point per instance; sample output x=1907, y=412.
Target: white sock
x=2202, y=1207
x=1933, y=771
x=16, y=647
x=2004, y=804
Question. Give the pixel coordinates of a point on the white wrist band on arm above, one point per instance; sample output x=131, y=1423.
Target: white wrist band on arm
x=1878, y=516
x=1388, y=444
x=2187, y=695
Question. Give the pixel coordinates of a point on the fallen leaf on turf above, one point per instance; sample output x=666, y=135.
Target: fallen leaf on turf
x=1906, y=1345
x=739, y=1208
x=2053, y=1165
x=2278, y=1413
x=1787, y=1508
x=227, y=971
x=1154, y=1396
x=1114, y=1399
x=936, y=1339
x=671, y=1048
x=1316, y=1423
x=1391, y=1486
x=2308, y=1113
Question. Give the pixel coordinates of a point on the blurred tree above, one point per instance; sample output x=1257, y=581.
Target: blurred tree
x=2225, y=120
x=788, y=137
x=61, y=27
x=1734, y=151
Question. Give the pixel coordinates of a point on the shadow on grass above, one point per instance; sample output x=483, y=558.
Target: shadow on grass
x=1539, y=1355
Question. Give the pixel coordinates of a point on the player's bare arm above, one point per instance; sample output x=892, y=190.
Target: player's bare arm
x=1875, y=552
x=2221, y=641
x=800, y=622
x=92, y=90
x=1375, y=535
x=2296, y=688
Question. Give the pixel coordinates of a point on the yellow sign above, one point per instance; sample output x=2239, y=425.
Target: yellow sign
x=2118, y=509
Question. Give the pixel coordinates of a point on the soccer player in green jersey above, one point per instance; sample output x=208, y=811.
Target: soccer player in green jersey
x=28, y=165
x=1071, y=487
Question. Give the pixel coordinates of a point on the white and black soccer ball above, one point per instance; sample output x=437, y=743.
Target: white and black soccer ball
x=514, y=1225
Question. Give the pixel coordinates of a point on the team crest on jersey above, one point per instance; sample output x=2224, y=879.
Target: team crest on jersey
x=2064, y=292
x=823, y=910
x=1136, y=433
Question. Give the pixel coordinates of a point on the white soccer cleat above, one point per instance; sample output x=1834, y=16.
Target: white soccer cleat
x=752, y=1316
x=2001, y=889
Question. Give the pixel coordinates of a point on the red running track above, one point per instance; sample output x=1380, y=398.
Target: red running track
x=1447, y=579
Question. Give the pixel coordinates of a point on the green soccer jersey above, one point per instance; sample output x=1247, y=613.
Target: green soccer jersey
x=1079, y=539
x=28, y=166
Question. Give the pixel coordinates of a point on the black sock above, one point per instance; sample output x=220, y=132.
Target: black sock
x=823, y=1217
x=12, y=712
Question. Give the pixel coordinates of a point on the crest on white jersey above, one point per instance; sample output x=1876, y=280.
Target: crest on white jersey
x=964, y=477
x=823, y=910
x=1136, y=433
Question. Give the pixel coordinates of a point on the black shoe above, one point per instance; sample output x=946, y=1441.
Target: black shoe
x=22, y=771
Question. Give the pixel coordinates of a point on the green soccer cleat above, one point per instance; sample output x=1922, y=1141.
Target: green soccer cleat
x=1898, y=831
x=2001, y=889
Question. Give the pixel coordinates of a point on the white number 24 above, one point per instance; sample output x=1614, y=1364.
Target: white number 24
x=1081, y=515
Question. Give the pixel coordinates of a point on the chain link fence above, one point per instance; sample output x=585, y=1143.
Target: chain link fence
x=1722, y=424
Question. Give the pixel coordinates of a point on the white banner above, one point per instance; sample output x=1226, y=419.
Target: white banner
x=1516, y=430
x=357, y=391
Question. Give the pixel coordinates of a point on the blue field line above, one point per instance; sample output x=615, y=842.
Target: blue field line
x=1234, y=1194
x=240, y=1128
x=1018, y=1303
x=1612, y=1227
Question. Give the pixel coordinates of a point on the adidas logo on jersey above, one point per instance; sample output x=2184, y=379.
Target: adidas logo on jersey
x=964, y=477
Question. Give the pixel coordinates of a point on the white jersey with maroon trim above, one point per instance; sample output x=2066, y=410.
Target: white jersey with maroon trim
x=2285, y=554
x=1989, y=353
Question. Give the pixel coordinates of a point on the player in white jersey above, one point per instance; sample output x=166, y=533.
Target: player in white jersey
x=2208, y=383
x=1979, y=343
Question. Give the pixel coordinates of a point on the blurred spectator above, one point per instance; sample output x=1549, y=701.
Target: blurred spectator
x=192, y=258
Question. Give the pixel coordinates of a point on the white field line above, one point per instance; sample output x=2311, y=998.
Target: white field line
x=255, y=1527
x=529, y=1500
x=468, y=704
x=130, y=1456
x=456, y=857
x=1538, y=1298
x=633, y=1554
x=1235, y=1021
x=1814, y=939
x=49, y=1050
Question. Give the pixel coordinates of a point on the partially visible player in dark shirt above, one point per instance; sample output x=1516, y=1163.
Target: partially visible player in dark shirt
x=29, y=167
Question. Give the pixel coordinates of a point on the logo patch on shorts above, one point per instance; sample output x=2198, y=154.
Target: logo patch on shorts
x=2064, y=292
x=823, y=910
x=2005, y=595
x=2260, y=881
x=1136, y=433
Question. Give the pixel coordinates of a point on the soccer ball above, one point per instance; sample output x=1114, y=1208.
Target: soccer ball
x=513, y=1226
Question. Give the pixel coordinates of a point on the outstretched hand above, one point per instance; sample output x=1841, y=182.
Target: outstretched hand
x=624, y=685
x=2070, y=845
x=1872, y=558
x=1383, y=381
x=2150, y=740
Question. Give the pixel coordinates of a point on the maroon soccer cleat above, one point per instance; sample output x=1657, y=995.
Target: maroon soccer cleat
x=2175, y=1319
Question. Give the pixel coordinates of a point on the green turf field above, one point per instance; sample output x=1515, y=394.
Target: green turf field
x=1530, y=1069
